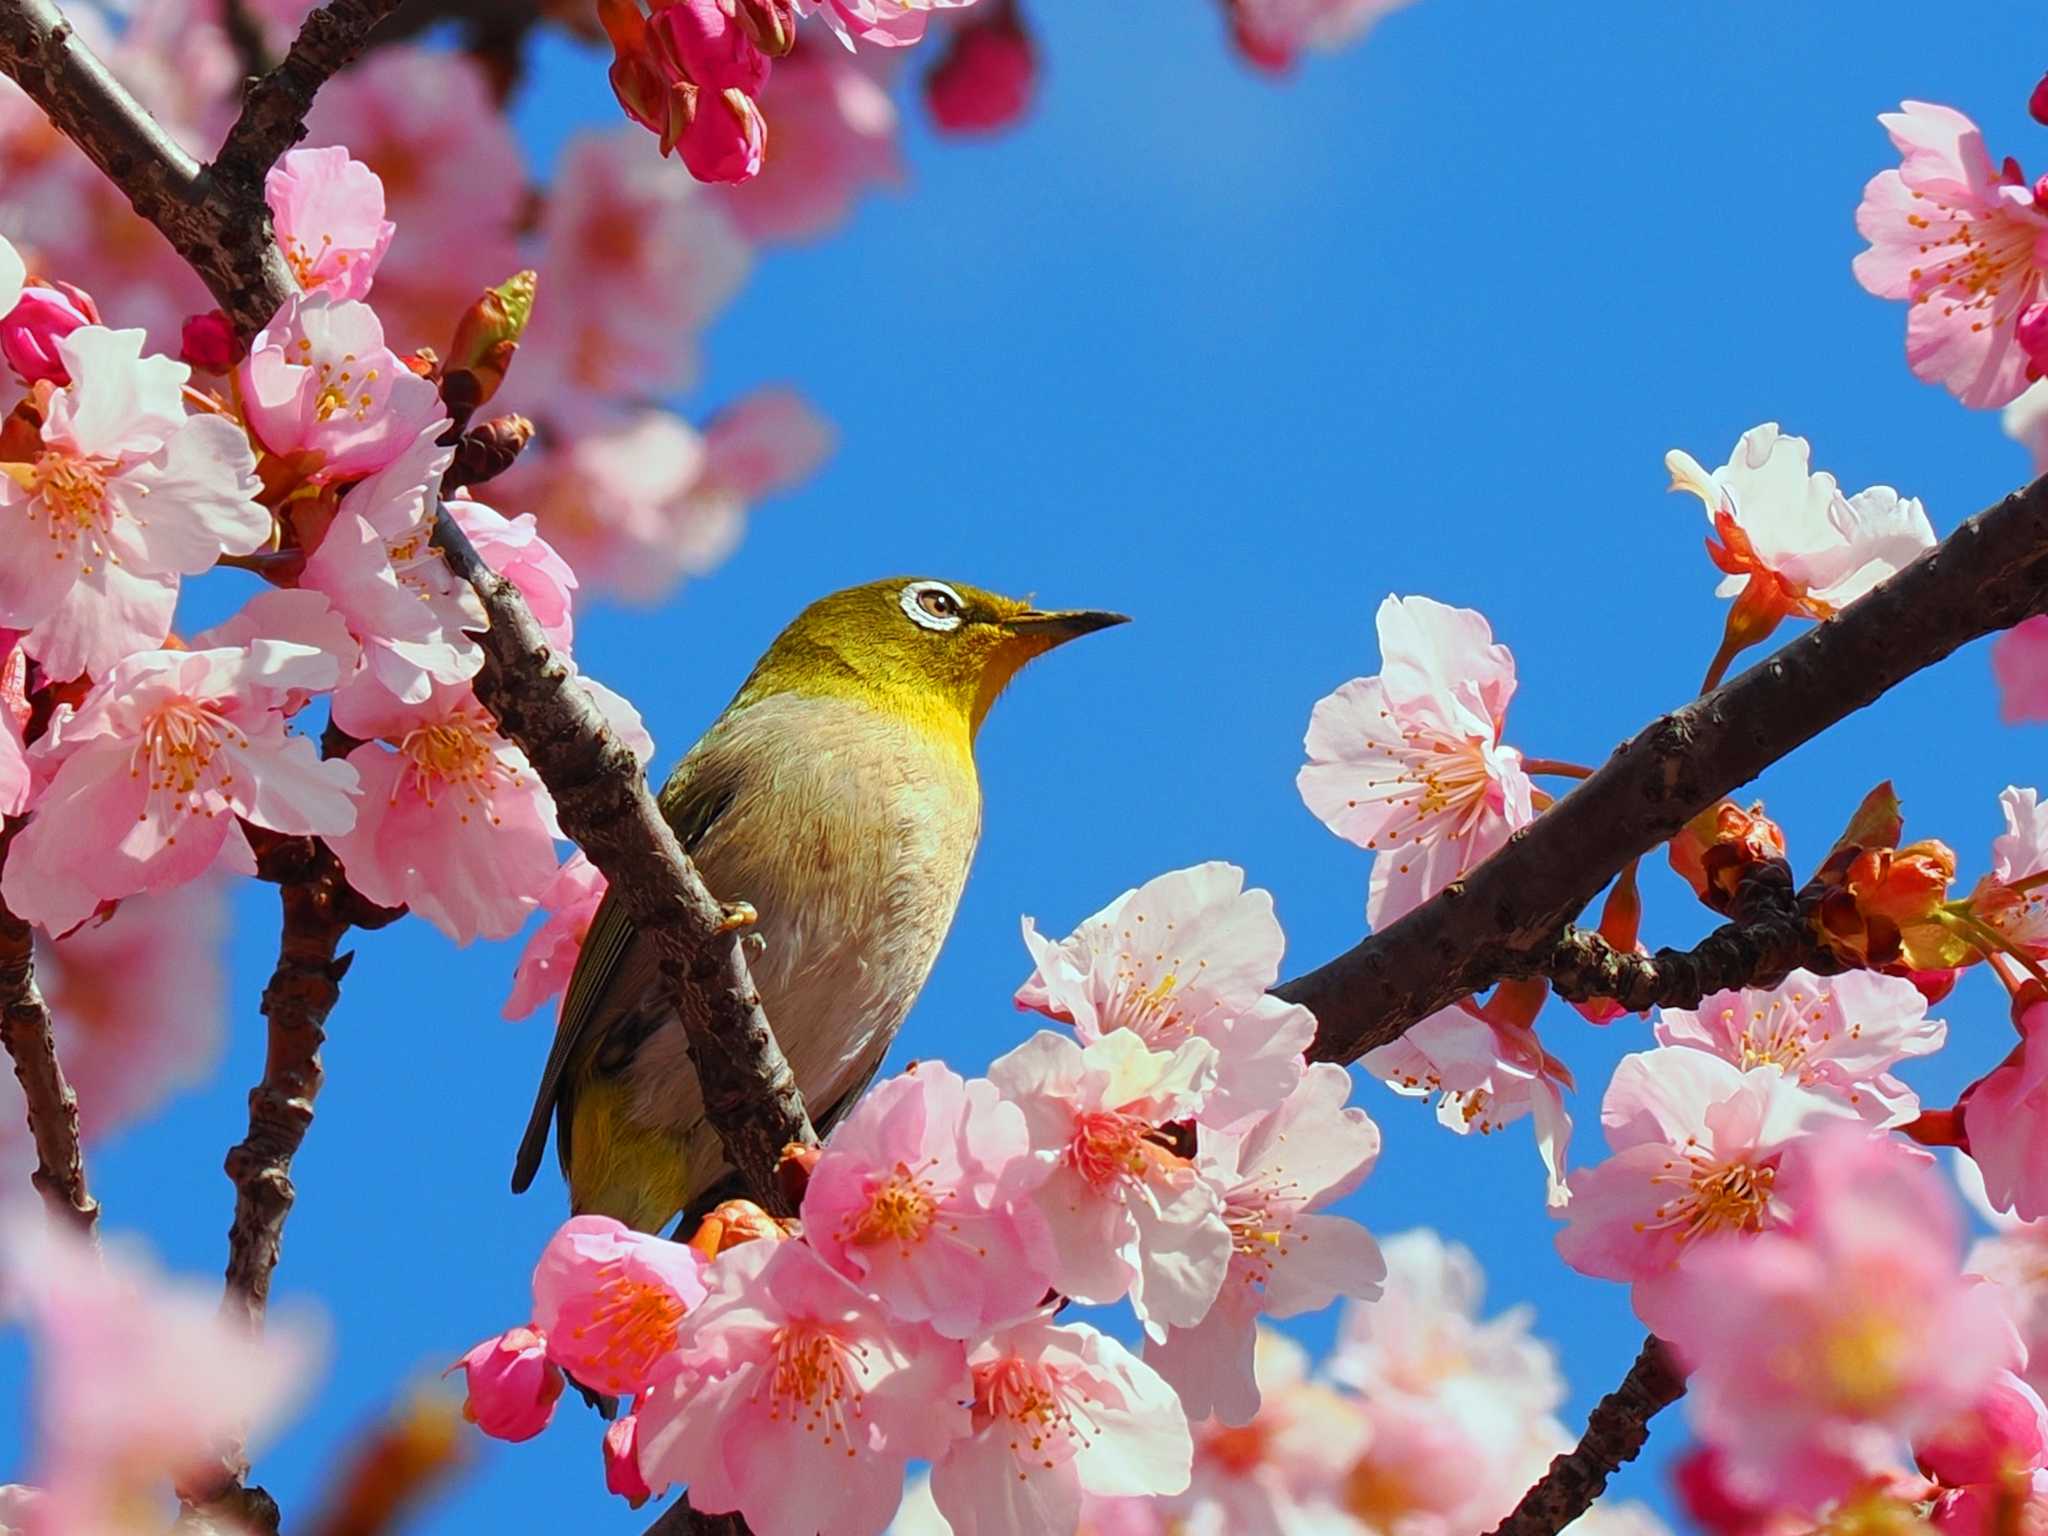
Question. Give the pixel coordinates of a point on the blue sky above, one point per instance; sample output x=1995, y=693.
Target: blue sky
x=1239, y=358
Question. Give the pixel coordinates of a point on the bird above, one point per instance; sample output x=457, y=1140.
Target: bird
x=837, y=796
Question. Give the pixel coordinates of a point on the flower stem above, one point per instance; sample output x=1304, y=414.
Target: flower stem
x=1557, y=767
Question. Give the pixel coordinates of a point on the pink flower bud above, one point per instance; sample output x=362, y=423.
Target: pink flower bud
x=512, y=1386
x=726, y=139
x=208, y=343
x=988, y=76
x=2005, y=1431
x=2032, y=334
x=2037, y=103
x=29, y=333
x=699, y=42
x=622, y=1462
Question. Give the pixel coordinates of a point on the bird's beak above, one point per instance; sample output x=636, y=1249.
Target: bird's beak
x=1060, y=626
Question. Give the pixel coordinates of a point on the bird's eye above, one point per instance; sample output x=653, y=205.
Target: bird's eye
x=933, y=605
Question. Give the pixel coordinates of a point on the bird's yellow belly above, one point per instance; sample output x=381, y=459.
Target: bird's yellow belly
x=853, y=851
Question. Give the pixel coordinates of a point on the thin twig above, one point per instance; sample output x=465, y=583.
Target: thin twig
x=1987, y=575
x=1615, y=1431
x=52, y=1107
x=319, y=908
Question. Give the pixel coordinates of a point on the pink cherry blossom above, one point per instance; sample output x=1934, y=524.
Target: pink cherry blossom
x=83, y=569
x=319, y=381
x=2004, y=1431
x=762, y=444
x=1962, y=243
x=1186, y=956
x=884, y=23
x=1697, y=1146
x=513, y=547
x=328, y=210
x=2020, y=916
x=16, y=778
x=1837, y=1036
x=611, y=1302
x=1488, y=1069
x=801, y=1400
x=512, y=1385
x=1450, y=1464
x=1059, y=1412
x=424, y=121
x=1817, y=1347
x=2014, y=1259
x=2018, y=1502
x=1128, y=1216
x=834, y=136
x=636, y=261
x=1410, y=762
x=570, y=901
x=1286, y=1257
x=140, y=1380
x=375, y=563
x=1788, y=540
x=2002, y=1118
x=924, y=1196
x=1424, y=1335
x=622, y=1461
x=453, y=822
x=2026, y=422
x=30, y=330
x=147, y=780
x=291, y=615
x=2019, y=660
x=1272, y=32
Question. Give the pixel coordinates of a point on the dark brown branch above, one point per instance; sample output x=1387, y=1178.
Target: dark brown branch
x=274, y=107
x=1987, y=575
x=601, y=797
x=679, y=1519
x=319, y=908
x=1615, y=1432
x=228, y=245
x=52, y=1106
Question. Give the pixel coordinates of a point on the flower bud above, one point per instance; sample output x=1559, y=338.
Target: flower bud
x=512, y=1385
x=2004, y=1432
x=622, y=1462
x=1621, y=925
x=726, y=139
x=793, y=1171
x=988, y=75
x=2037, y=104
x=1714, y=850
x=1883, y=908
x=2032, y=334
x=487, y=451
x=731, y=1223
x=30, y=331
x=770, y=25
x=208, y=343
x=488, y=333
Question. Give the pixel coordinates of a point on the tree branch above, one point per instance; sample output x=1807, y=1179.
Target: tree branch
x=679, y=1519
x=1615, y=1432
x=319, y=907
x=1987, y=575
x=274, y=108
x=52, y=1106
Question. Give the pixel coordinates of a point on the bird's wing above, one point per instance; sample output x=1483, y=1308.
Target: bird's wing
x=609, y=974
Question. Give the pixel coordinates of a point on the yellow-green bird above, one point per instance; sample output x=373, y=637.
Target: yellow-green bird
x=837, y=795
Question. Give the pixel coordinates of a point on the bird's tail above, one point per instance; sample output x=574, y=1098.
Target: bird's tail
x=621, y=1169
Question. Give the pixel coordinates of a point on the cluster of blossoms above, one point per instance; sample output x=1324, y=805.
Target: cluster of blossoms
x=1170, y=1147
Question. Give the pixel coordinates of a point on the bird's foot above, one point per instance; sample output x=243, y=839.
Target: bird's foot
x=736, y=915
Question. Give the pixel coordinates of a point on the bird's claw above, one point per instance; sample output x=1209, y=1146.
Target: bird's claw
x=735, y=915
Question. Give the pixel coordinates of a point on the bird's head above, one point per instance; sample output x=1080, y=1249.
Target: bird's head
x=939, y=651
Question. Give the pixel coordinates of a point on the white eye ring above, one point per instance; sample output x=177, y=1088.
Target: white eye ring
x=932, y=604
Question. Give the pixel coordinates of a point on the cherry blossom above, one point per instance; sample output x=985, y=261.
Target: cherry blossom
x=139, y=1379
x=2002, y=899
x=125, y=495
x=2026, y=422
x=16, y=777
x=512, y=1385
x=1697, y=1146
x=147, y=780
x=1488, y=1070
x=1286, y=1257
x=834, y=136
x=1128, y=1215
x=571, y=901
x=885, y=23
x=800, y=1400
x=1815, y=1348
x=320, y=383
x=2014, y=1259
x=31, y=329
x=1838, y=1037
x=1410, y=762
x=611, y=1302
x=1059, y=1413
x=328, y=210
x=1449, y=1464
x=2005, y=1430
x=690, y=73
x=1271, y=32
x=1187, y=955
x=513, y=547
x=423, y=120
x=1789, y=542
x=1960, y=241
x=622, y=1461
x=637, y=261
x=2019, y=660
x=453, y=821
x=924, y=1196
x=2002, y=1116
